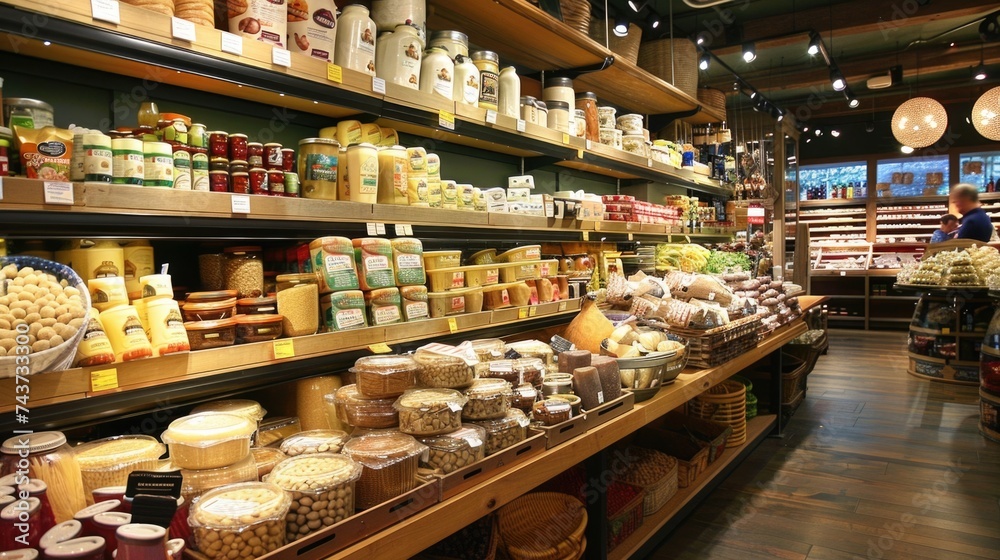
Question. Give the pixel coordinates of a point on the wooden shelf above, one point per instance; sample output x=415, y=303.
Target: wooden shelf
x=757, y=429
x=894, y=298
x=833, y=202
x=833, y=317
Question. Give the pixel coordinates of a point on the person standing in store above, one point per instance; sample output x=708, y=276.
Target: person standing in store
x=975, y=221
x=949, y=224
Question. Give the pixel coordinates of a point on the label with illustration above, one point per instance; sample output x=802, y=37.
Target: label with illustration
x=320, y=167
x=369, y=176
x=489, y=91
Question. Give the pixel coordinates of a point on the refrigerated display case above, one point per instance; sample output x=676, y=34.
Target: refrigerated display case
x=912, y=176
x=981, y=169
x=847, y=180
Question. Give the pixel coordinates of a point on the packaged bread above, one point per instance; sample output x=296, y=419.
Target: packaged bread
x=380, y=377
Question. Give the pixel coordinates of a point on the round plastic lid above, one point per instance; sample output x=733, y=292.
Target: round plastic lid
x=240, y=407
x=118, y=450
x=100, y=507
x=514, y=418
x=208, y=428
x=380, y=449
x=488, y=387
x=257, y=301
x=224, y=506
x=210, y=325
x=425, y=398
x=19, y=554
x=267, y=455
x=348, y=395
x=61, y=532
x=203, y=305
x=113, y=518
x=488, y=345
x=553, y=406
x=37, y=442
x=141, y=532
x=312, y=438
x=258, y=319
x=9, y=513
x=466, y=437
x=75, y=548
x=323, y=469
x=385, y=365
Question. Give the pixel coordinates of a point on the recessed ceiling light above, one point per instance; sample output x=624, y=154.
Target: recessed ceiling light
x=704, y=60
x=749, y=52
x=835, y=133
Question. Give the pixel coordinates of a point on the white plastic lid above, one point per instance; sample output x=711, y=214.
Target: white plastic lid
x=34, y=443
x=223, y=507
x=240, y=407
x=75, y=548
x=9, y=513
x=117, y=451
x=208, y=428
x=100, y=507
x=113, y=518
x=61, y=532
x=431, y=399
x=19, y=554
x=141, y=532
x=319, y=469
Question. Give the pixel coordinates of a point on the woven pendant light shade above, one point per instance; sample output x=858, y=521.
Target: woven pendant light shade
x=919, y=122
x=986, y=114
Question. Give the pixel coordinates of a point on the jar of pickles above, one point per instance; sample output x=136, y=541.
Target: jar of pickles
x=244, y=271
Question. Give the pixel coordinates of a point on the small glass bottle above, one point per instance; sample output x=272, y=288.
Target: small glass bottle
x=149, y=114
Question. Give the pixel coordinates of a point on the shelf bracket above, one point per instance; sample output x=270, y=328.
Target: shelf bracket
x=574, y=73
x=657, y=122
x=537, y=162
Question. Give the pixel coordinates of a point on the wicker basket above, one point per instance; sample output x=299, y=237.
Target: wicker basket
x=712, y=347
x=576, y=14
x=624, y=522
x=712, y=435
x=692, y=457
x=477, y=541
x=542, y=526
x=626, y=47
x=726, y=403
x=653, y=471
x=655, y=57
x=713, y=99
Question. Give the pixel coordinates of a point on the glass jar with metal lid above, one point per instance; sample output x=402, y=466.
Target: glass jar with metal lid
x=42, y=114
x=318, y=167
x=244, y=271
x=529, y=112
x=587, y=102
x=558, y=117
x=456, y=42
x=488, y=63
x=559, y=88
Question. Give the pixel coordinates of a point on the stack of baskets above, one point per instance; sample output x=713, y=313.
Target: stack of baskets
x=713, y=99
x=705, y=433
x=543, y=526
x=576, y=14
x=725, y=403
x=672, y=60
x=626, y=47
x=477, y=541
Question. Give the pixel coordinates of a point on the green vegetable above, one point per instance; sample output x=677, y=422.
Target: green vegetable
x=719, y=262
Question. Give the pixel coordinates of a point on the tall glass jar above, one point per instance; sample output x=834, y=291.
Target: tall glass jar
x=298, y=303
x=558, y=117
x=488, y=63
x=466, y=86
x=587, y=102
x=437, y=73
x=50, y=459
x=244, y=271
x=558, y=88
x=456, y=42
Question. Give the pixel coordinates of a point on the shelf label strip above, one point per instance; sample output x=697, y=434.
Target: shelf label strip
x=106, y=10
x=284, y=348
x=491, y=116
x=334, y=73
x=232, y=44
x=241, y=204
x=446, y=119
x=378, y=85
x=281, y=57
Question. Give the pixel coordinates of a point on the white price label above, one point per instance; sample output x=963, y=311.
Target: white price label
x=491, y=116
x=843, y=273
x=550, y=210
x=378, y=86
x=649, y=163
x=588, y=144
x=370, y=227
x=400, y=230
x=407, y=230
x=232, y=44
x=281, y=57
x=58, y=192
x=106, y=10
x=380, y=229
x=241, y=204
x=182, y=29
x=520, y=125
x=1, y=187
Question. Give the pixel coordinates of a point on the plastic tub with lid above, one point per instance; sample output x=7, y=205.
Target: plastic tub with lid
x=505, y=432
x=321, y=483
x=240, y=520
x=251, y=410
x=381, y=377
x=515, y=372
x=265, y=458
x=519, y=254
x=203, y=335
x=208, y=440
x=488, y=399
x=314, y=441
x=455, y=450
x=258, y=328
x=451, y=278
x=434, y=260
x=390, y=461
x=489, y=349
x=274, y=430
x=209, y=310
x=428, y=412
x=108, y=461
x=264, y=305
x=486, y=256
x=198, y=481
x=210, y=297
x=443, y=370
x=355, y=410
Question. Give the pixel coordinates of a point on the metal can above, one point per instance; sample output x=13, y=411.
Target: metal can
x=258, y=181
x=182, y=167
x=158, y=165
x=240, y=182
x=272, y=156
x=255, y=154
x=287, y=159
x=127, y=161
x=238, y=146
x=218, y=181
x=218, y=145
x=276, y=182
x=199, y=170
x=291, y=184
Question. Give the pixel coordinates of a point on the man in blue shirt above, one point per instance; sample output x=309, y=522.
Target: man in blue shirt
x=949, y=224
x=975, y=221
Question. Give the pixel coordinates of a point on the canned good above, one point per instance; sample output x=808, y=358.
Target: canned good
x=199, y=170
x=240, y=182
x=97, y=157
x=158, y=165
x=126, y=161
x=218, y=145
x=218, y=181
x=287, y=159
x=255, y=154
x=238, y=146
x=182, y=168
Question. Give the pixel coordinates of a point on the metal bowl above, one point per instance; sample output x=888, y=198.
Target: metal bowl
x=646, y=374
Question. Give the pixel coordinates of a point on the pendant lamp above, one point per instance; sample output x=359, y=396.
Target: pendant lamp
x=986, y=114
x=919, y=122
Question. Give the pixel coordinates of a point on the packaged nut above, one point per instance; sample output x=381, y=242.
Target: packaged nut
x=515, y=372
x=321, y=488
x=534, y=349
x=108, y=462
x=488, y=349
x=266, y=458
x=443, y=370
x=240, y=520
x=314, y=441
x=505, y=432
x=524, y=397
x=357, y=411
x=450, y=452
x=381, y=377
x=390, y=461
x=208, y=440
x=428, y=412
x=488, y=399
x=551, y=411
x=197, y=482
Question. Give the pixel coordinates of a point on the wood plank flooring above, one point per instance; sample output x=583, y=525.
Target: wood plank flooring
x=876, y=464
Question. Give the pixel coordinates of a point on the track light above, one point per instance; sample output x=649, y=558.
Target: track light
x=835, y=133
x=853, y=102
x=621, y=26
x=636, y=6
x=656, y=22
x=749, y=52
x=980, y=72
x=818, y=132
x=814, y=43
x=837, y=79
x=906, y=150
x=805, y=129
x=704, y=60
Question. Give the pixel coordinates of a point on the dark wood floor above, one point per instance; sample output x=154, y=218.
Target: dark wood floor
x=876, y=464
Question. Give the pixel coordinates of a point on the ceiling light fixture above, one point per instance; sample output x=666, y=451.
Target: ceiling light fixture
x=636, y=6
x=656, y=22
x=621, y=26
x=919, y=122
x=906, y=149
x=808, y=140
x=805, y=129
x=980, y=72
x=852, y=102
x=835, y=133
x=749, y=52
x=814, y=43
x=986, y=114
x=819, y=132
x=837, y=79
x=704, y=60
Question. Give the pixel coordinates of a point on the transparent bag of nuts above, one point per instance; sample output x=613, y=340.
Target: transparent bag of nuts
x=488, y=399
x=428, y=412
x=321, y=488
x=445, y=366
x=450, y=452
x=240, y=520
x=314, y=441
x=505, y=432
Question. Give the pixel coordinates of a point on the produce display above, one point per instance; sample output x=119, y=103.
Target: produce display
x=974, y=266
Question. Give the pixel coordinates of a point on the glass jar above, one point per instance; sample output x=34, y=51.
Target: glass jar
x=488, y=63
x=244, y=271
x=510, y=92
x=558, y=88
x=456, y=42
x=51, y=459
x=587, y=102
x=529, y=112
x=355, y=46
x=558, y=118
x=298, y=303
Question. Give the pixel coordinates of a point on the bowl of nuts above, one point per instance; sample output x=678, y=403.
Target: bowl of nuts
x=43, y=315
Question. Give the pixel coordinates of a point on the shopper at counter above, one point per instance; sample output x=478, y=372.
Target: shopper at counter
x=949, y=224
x=975, y=221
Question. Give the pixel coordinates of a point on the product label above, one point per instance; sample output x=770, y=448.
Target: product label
x=409, y=65
x=399, y=175
x=470, y=90
x=449, y=193
x=505, y=297
x=493, y=276
x=337, y=263
x=458, y=279
x=369, y=176
x=227, y=507
x=159, y=171
x=407, y=260
x=416, y=310
x=348, y=318
x=458, y=304
x=320, y=167
x=442, y=82
x=386, y=315
x=97, y=161
x=376, y=262
x=489, y=88
x=366, y=49
x=182, y=170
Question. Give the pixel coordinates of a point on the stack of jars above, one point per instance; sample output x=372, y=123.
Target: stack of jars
x=239, y=166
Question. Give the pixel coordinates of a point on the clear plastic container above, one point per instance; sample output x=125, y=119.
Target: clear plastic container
x=240, y=520
x=244, y=271
x=203, y=335
x=49, y=458
x=446, y=279
x=496, y=296
x=428, y=412
x=357, y=411
x=266, y=305
x=298, y=303
x=551, y=411
x=443, y=304
x=197, y=482
x=434, y=260
x=314, y=441
x=390, y=461
x=489, y=349
x=450, y=452
x=258, y=328
x=208, y=311
x=208, y=440
x=108, y=461
x=515, y=372
x=520, y=254
x=251, y=410
x=382, y=377
x=482, y=275
x=265, y=459
x=320, y=483
x=524, y=397
x=274, y=430
x=488, y=399
x=505, y=432
x=534, y=349
x=441, y=370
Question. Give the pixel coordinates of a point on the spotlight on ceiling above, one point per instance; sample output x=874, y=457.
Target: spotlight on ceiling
x=980, y=72
x=814, y=42
x=656, y=22
x=818, y=132
x=704, y=60
x=853, y=102
x=808, y=140
x=805, y=129
x=749, y=52
x=621, y=26
x=636, y=6
x=906, y=150
x=837, y=79
x=835, y=133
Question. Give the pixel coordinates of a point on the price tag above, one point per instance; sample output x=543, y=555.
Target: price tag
x=380, y=229
x=563, y=305
x=182, y=29
x=371, y=228
x=103, y=380
x=400, y=230
x=408, y=229
x=945, y=330
x=586, y=236
x=522, y=313
x=232, y=44
x=378, y=86
x=284, y=348
x=452, y=325
x=491, y=116
x=565, y=138
x=241, y=204
x=281, y=57
x=446, y=119
x=106, y=10
x=588, y=144
x=57, y=192
x=334, y=73
x=843, y=273
x=520, y=125
x=532, y=311
x=380, y=348
x=579, y=154
x=550, y=209
x=649, y=163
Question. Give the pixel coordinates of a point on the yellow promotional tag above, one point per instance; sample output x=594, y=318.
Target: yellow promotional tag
x=522, y=313
x=446, y=119
x=103, y=380
x=380, y=348
x=532, y=311
x=565, y=138
x=284, y=349
x=334, y=73
x=579, y=154
x=453, y=325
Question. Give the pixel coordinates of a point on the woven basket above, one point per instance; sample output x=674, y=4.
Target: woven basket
x=626, y=47
x=478, y=540
x=658, y=490
x=576, y=14
x=726, y=403
x=713, y=99
x=706, y=433
x=624, y=522
x=542, y=526
x=655, y=57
